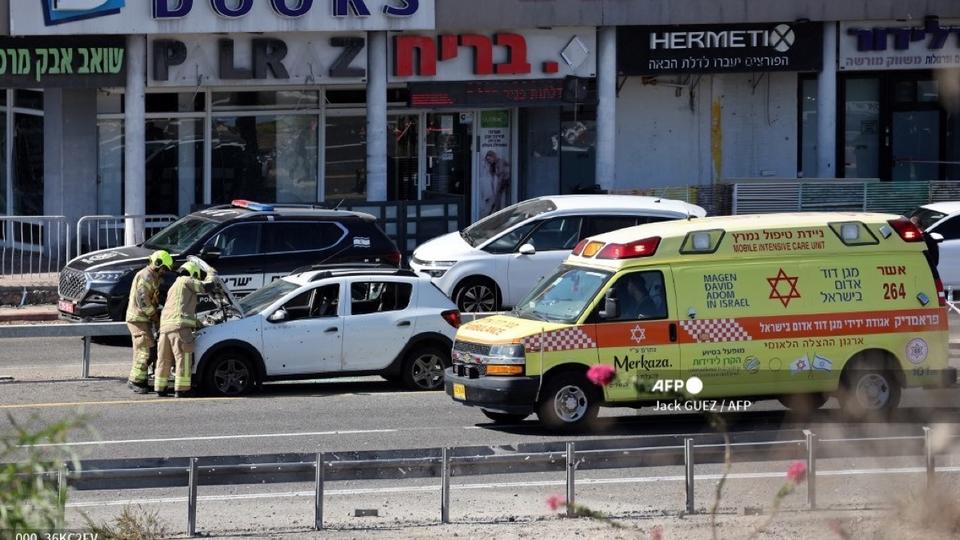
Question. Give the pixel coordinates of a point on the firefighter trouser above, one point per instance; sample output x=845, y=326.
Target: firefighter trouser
x=142, y=334
x=175, y=346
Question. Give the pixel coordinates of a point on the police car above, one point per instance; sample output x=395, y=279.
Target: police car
x=329, y=322
x=250, y=244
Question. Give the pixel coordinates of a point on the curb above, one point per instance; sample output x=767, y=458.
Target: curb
x=7, y=316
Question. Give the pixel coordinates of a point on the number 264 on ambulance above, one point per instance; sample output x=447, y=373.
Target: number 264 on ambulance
x=795, y=307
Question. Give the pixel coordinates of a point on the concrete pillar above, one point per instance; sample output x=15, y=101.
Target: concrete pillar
x=134, y=148
x=376, y=116
x=827, y=105
x=70, y=153
x=607, y=107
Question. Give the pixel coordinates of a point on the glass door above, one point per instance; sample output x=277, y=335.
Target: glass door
x=449, y=157
x=915, y=145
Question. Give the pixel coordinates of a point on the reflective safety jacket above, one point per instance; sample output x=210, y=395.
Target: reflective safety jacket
x=180, y=310
x=144, y=303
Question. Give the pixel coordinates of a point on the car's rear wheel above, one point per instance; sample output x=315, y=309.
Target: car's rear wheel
x=568, y=402
x=423, y=368
x=504, y=418
x=230, y=373
x=477, y=295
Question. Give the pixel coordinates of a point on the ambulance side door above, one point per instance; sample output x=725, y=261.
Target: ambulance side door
x=641, y=343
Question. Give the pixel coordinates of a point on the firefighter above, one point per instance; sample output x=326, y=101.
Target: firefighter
x=143, y=314
x=177, y=323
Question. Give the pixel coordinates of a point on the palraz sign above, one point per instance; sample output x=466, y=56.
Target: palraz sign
x=262, y=59
x=69, y=17
x=891, y=45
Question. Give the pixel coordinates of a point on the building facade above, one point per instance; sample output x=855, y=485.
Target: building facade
x=164, y=106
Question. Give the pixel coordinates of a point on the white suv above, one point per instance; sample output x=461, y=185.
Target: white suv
x=495, y=262
x=943, y=218
x=336, y=322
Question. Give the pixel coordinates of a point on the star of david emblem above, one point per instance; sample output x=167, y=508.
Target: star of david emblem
x=783, y=288
x=638, y=335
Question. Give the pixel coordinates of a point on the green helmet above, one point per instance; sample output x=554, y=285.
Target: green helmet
x=191, y=269
x=161, y=259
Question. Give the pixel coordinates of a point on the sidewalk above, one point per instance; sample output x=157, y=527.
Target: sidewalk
x=42, y=313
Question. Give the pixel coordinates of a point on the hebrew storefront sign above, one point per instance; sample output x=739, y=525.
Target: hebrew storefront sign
x=892, y=45
x=729, y=48
x=69, y=61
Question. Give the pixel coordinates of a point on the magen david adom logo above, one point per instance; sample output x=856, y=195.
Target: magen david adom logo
x=64, y=11
x=782, y=37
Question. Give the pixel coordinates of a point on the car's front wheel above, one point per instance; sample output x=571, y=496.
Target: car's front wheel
x=423, y=368
x=230, y=373
x=568, y=402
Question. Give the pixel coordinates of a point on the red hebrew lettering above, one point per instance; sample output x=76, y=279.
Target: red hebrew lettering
x=482, y=50
x=403, y=50
x=516, y=54
x=448, y=47
x=551, y=67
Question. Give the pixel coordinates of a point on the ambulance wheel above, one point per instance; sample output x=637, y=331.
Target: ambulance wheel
x=803, y=404
x=477, y=295
x=868, y=392
x=504, y=418
x=230, y=373
x=568, y=402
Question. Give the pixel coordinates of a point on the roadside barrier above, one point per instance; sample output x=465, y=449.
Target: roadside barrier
x=87, y=331
x=447, y=463
x=104, y=232
x=33, y=247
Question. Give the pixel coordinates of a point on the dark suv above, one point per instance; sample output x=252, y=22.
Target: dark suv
x=250, y=245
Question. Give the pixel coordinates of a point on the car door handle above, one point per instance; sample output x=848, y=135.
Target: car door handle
x=673, y=332
x=332, y=330
x=403, y=324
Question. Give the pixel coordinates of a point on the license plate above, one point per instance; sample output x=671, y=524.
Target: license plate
x=459, y=391
x=68, y=307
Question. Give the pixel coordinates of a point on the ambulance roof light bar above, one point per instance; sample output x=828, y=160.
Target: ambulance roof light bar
x=639, y=248
x=250, y=205
x=907, y=230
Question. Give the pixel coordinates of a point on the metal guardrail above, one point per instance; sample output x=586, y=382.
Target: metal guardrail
x=839, y=195
x=33, y=247
x=87, y=331
x=448, y=462
x=104, y=232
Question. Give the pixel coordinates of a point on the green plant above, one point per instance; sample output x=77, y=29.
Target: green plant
x=132, y=524
x=32, y=455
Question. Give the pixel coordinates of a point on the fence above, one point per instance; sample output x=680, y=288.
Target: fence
x=448, y=462
x=411, y=223
x=87, y=331
x=839, y=195
x=715, y=199
x=103, y=232
x=33, y=247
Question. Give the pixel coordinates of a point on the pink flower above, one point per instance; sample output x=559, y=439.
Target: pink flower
x=656, y=533
x=797, y=472
x=555, y=502
x=601, y=374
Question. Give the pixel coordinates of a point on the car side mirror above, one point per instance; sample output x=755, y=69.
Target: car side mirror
x=528, y=249
x=210, y=252
x=936, y=237
x=279, y=315
x=611, y=306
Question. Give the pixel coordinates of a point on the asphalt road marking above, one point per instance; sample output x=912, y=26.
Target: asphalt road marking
x=217, y=438
x=145, y=401
x=501, y=485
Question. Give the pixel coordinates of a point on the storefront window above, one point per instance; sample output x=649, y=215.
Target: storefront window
x=110, y=166
x=3, y=161
x=402, y=165
x=862, y=132
x=27, y=165
x=346, y=158
x=450, y=156
x=808, y=128
x=174, y=165
x=953, y=146
x=268, y=158
x=540, y=148
x=578, y=152
x=288, y=99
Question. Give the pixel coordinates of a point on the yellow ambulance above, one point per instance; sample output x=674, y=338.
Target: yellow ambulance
x=796, y=307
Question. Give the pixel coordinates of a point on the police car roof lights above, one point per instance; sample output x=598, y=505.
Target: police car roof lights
x=632, y=250
x=250, y=205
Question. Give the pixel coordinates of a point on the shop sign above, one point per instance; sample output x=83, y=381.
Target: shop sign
x=263, y=59
x=70, y=61
x=731, y=48
x=527, y=54
x=513, y=93
x=494, y=180
x=70, y=17
x=892, y=45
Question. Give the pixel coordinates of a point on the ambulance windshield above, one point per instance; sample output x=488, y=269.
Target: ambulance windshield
x=562, y=297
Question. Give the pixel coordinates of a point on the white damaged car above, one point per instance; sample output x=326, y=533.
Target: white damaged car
x=326, y=323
